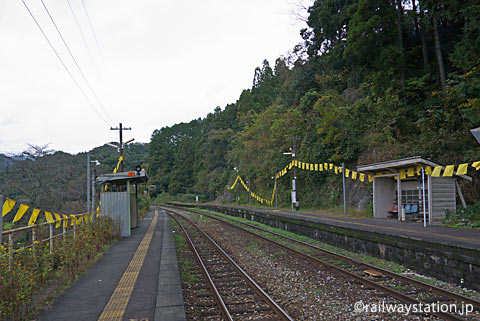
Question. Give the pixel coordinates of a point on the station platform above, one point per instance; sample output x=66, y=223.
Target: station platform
x=446, y=253
x=451, y=236
x=136, y=279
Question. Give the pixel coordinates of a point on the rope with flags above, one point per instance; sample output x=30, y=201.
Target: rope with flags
x=51, y=218
x=434, y=171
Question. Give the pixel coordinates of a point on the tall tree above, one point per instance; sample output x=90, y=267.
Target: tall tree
x=182, y=171
x=438, y=54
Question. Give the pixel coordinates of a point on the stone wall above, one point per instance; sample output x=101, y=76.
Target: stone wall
x=451, y=264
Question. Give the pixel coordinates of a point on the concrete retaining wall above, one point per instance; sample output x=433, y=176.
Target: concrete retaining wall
x=451, y=264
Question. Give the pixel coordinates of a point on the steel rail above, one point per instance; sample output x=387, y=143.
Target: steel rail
x=278, y=310
x=205, y=273
x=398, y=295
x=429, y=287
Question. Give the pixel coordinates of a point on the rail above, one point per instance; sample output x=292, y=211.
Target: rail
x=393, y=293
x=273, y=305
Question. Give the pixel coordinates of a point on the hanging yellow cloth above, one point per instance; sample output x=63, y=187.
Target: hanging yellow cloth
x=7, y=206
x=437, y=171
x=476, y=165
x=449, y=170
x=49, y=217
x=58, y=220
x=21, y=211
x=411, y=171
x=428, y=170
x=33, y=217
x=65, y=221
x=120, y=159
x=419, y=170
x=462, y=169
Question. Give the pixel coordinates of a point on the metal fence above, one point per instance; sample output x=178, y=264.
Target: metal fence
x=30, y=236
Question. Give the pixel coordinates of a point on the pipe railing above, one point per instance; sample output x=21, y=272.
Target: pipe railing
x=36, y=233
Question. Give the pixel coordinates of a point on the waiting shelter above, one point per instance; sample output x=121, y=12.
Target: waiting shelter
x=118, y=198
x=422, y=196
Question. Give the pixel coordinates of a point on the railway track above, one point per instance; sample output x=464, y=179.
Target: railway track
x=237, y=295
x=403, y=288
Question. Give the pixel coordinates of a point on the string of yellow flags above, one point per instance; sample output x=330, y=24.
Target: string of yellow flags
x=321, y=167
x=256, y=197
x=51, y=218
x=115, y=170
x=434, y=171
x=120, y=160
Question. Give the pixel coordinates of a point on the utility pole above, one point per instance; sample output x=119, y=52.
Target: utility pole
x=249, y=194
x=1, y=220
x=121, y=129
x=88, y=182
x=93, y=188
x=294, y=182
x=344, y=191
x=276, y=194
x=293, y=152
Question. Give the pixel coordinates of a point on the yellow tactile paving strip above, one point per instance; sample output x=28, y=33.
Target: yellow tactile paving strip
x=116, y=306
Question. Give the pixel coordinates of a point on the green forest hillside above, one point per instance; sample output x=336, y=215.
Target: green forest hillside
x=372, y=81
x=54, y=180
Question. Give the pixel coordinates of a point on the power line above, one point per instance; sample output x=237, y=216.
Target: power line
x=80, y=30
x=91, y=27
x=76, y=63
x=63, y=64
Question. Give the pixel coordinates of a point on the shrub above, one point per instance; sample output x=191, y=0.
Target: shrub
x=467, y=217
x=28, y=268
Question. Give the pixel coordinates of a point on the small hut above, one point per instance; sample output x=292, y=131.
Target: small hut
x=118, y=198
x=404, y=177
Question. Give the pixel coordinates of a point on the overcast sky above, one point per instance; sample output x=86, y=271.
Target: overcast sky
x=159, y=62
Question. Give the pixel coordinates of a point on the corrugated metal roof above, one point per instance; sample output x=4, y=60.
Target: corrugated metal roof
x=395, y=165
x=123, y=176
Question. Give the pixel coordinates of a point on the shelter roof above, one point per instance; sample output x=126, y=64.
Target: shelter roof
x=123, y=177
x=393, y=166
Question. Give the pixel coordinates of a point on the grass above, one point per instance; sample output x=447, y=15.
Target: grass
x=35, y=277
x=185, y=265
x=387, y=265
x=335, y=211
x=253, y=248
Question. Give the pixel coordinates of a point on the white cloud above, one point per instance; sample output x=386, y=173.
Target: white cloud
x=163, y=62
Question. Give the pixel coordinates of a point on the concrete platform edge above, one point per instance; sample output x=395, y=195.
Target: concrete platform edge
x=169, y=304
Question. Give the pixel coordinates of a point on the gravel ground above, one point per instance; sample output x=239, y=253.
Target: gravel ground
x=305, y=291
x=199, y=303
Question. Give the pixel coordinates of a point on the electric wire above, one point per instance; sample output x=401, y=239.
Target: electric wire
x=80, y=30
x=63, y=64
x=76, y=63
x=91, y=27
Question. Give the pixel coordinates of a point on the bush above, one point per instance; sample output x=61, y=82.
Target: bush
x=143, y=203
x=33, y=268
x=165, y=198
x=465, y=217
